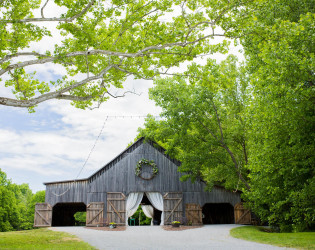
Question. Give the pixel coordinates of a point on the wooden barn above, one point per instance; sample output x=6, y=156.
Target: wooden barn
x=141, y=175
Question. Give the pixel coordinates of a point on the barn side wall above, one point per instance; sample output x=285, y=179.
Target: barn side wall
x=66, y=192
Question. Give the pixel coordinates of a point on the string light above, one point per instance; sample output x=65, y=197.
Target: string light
x=99, y=135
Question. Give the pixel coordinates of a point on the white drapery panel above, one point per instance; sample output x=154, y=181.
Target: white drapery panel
x=148, y=211
x=132, y=204
x=156, y=200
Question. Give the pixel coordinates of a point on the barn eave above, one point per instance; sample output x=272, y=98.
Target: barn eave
x=65, y=181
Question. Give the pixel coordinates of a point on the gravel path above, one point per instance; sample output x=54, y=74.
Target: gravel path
x=147, y=237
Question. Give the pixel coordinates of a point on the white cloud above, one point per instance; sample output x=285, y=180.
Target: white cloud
x=57, y=154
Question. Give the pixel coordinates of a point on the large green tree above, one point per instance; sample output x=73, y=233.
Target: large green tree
x=278, y=43
x=17, y=205
x=280, y=59
x=9, y=212
x=102, y=43
x=204, y=124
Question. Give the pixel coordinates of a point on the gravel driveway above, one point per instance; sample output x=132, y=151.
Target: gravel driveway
x=154, y=237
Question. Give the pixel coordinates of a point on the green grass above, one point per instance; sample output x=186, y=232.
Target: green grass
x=305, y=240
x=41, y=239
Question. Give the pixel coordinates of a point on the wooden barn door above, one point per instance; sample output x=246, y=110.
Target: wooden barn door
x=116, y=208
x=173, y=207
x=241, y=214
x=43, y=215
x=193, y=213
x=94, y=214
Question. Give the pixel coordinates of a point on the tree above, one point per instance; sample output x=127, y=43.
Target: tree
x=80, y=218
x=103, y=43
x=139, y=214
x=38, y=197
x=278, y=43
x=17, y=205
x=9, y=213
x=23, y=195
x=204, y=126
x=280, y=59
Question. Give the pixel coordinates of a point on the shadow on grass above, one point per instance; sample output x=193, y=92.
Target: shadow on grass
x=301, y=240
x=41, y=239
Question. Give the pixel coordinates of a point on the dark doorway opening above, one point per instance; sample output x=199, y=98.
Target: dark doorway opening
x=63, y=213
x=218, y=213
x=157, y=213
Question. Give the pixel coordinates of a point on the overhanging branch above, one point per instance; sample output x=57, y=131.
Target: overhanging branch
x=146, y=51
x=51, y=19
x=52, y=95
x=8, y=57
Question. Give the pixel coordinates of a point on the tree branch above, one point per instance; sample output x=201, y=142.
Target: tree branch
x=124, y=94
x=87, y=62
x=218, y=119
x=52, y=19
x=8, y=57
x=74, y=98
x=87, y=98
x=210, y=131
x=122, y=31
x=44, y=97
x=221, y=141
x=143, y=52
x=42, y=9
x=236, y=165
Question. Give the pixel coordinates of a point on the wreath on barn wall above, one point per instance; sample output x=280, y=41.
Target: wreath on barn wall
x=145, y=162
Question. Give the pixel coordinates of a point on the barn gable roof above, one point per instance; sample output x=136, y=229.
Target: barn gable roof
x=119, y=157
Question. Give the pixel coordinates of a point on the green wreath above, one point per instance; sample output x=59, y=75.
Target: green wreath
x=142, y=162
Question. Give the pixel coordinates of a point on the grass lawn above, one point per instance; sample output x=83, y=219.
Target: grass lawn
x=41, y=239
x=305, y=240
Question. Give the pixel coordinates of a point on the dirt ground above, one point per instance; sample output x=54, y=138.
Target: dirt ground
x=180, y=228
x=118, y=228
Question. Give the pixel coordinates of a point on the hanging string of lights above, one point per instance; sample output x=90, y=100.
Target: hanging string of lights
x=97, y=138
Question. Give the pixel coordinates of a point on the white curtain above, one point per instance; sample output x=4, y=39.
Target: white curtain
x=148, y=211
x=156, y=200
x=133, y=202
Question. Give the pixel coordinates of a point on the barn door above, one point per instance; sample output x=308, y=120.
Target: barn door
x=173, y=207
x=116, y=208
x=94, y=214
x=241, y=214
x=43, y=215
x=193, y=213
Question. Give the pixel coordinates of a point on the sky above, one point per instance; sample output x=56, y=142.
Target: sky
x=53, y=143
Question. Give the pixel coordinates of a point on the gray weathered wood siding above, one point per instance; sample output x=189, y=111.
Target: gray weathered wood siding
x=119, y=176
x=66, y=192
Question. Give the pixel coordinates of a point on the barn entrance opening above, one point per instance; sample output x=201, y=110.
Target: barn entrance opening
x=218, y=213
x=150, y=204
x=144, y=213
x=146, y=209
x=63, y=213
